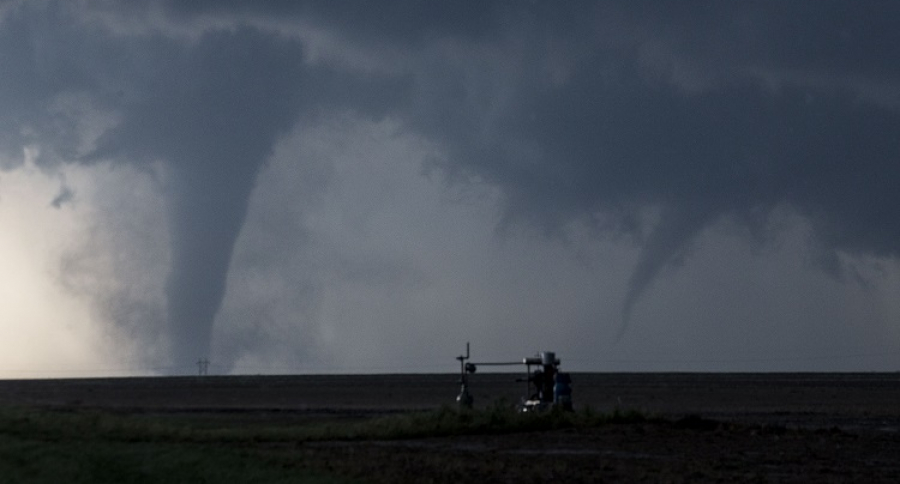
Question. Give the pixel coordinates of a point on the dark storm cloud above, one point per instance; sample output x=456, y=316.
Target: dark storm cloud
x=693, y=112
x=730, y=113
x=210, y=108
x=214, y=120
x=65, y=195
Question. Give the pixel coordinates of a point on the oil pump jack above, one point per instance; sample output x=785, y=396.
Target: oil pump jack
x=545, y=386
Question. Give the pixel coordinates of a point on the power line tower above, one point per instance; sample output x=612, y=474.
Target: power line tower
x=203, y=367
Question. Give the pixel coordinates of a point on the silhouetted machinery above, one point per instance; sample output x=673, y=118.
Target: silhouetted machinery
x=546, y=386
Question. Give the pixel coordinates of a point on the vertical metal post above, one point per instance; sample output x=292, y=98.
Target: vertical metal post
x=464, y=399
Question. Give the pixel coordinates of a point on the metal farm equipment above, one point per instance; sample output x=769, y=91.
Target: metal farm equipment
x=546, y=386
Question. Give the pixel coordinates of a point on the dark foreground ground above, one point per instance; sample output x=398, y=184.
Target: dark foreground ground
x=711, y=427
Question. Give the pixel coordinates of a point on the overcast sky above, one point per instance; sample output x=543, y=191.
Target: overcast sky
x=345, y=187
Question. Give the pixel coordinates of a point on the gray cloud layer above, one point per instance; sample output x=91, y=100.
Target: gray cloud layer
x=595, y=111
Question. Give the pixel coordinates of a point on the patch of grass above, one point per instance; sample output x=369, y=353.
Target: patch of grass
x=41, y=446
x=498, y=418
x=38, y=446
x=89, y=425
